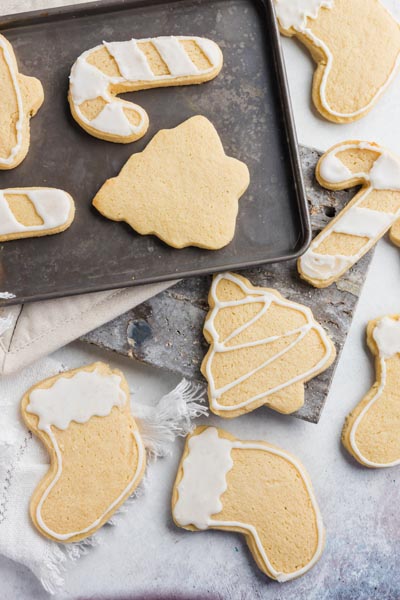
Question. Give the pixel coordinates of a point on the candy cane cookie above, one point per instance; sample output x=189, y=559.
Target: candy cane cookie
x=34, y=212
x=367, y=217
x=97, y=458
x=372, y=430
x=344, y=38
x=263, y=348
x=20, y=99
x=112, y=68
x=255, y=489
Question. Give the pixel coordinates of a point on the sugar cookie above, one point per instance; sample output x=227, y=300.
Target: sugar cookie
x=263, y=348
x=255, y=489
x=34, y=212
x=181, y=188
x=97, y=458
x=395, y=233
x=371, y=213
x=344, y=38
x=112, y=68
x=372, y=430
x=20, y=99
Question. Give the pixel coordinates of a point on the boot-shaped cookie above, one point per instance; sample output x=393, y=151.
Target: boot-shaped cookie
x=20, y=99
x=255, y=489
x=34, y=212
x=369, y=215
x=372, y=430
x=345, y=39
x=263, y=348
x=112, y=68
x=97, y=458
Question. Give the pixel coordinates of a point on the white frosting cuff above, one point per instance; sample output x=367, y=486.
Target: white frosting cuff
x=294, y=13
x=387, y=337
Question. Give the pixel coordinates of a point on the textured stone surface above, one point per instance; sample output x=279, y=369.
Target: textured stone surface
x=166, y=331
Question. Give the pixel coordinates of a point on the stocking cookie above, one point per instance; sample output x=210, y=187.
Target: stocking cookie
x=181, y=188
x=263, y=348
x=372, y=430
x=20, y=99
x=371, y=213
x=34, y=212
x=116, y=67
x=255, y=489
x=97, y=458
x=345, y=40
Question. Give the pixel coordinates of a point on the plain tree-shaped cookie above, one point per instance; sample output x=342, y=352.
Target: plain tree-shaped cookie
x=356, y=45
x=365, y=219
x=255, y=489
x=372, y=430
x=111, y=68
x=20, y=99
x=263, y=348
x=97, y=458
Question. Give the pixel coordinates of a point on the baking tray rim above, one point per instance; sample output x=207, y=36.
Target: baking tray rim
x=74, y=11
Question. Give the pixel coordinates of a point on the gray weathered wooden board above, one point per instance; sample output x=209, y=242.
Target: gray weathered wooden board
x=166, y=331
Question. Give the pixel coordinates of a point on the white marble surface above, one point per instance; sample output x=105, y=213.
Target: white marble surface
x=359, y=506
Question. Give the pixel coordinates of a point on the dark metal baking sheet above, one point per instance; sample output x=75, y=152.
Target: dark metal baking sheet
x=247, y=102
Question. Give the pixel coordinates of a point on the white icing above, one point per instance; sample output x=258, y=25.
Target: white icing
x=387, y=337
x=294, y=14
x=356, y=220
x=88, y=82
x=52, y=205
x=6, y=295
x=20, y=121
x=199, y=497
x=266, y=298
x=196, y=474
x=78, y=398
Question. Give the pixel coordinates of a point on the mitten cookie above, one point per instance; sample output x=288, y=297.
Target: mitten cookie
x=116, y=67
x=20, y=99
x=34, y=212
x=372, y=430
x=181, y=188
x=97, y=458
x=373, y=210
x=345, y=40
x=263, y=348
x=255, y=489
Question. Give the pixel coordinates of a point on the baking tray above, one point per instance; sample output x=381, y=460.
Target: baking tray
x=248, y=103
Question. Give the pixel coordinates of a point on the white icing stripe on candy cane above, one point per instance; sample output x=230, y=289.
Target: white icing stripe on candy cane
x=78, y=398
x=208, y=462
x=266, y=298
x=294, y=14
x=88, y=82
x=358, y=221
x=19, y=124
x=52, y=205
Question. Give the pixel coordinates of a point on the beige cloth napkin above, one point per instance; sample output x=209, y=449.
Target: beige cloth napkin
x=31, y=331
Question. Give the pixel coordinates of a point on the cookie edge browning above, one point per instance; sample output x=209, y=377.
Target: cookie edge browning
x=31, y=420
x=261, y=402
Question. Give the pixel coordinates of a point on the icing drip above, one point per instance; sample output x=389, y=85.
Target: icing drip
x=199, y=499
x=88, y=82
x=356, y=220
x=19, y=124
x=78, y=398
x=266, y=298
x=387, y=337
x=52, y=205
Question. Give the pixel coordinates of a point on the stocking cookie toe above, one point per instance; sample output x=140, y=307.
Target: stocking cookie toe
x=367, y=217
x=263, y=348
x=372, y=430
x=20, y=99
x=345, y=40
x=112, y=68
x=255, y=489
x=97, y=458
